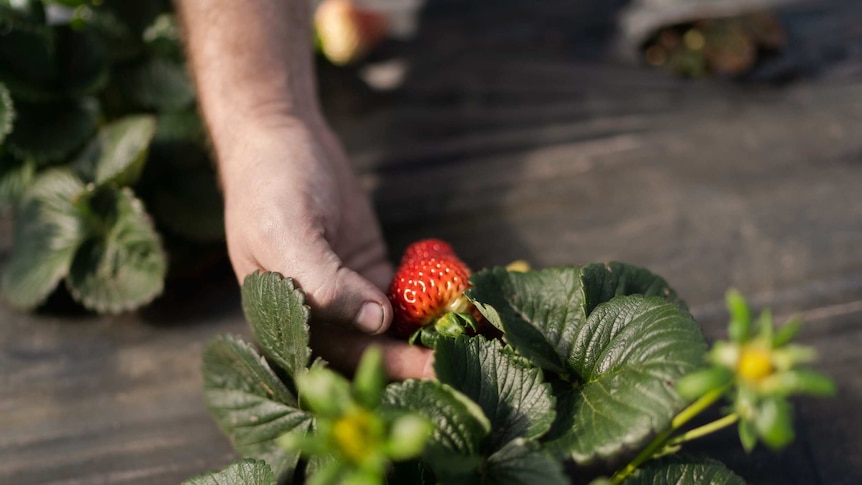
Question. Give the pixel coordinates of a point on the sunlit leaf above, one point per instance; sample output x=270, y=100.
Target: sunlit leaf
x=156, y=83
x=122, y=266
x=629, y=354
x=774, y=422
x=249, y=403
x=511, y=392
x=7, y=113
x=740, y=316
x=15, y=177
x=684, y=470
x=539, y=311
x=460, y=427
x=698, y=383
x=118, y=153
x=747, y=435
x=48, y=232
x=604, y=281
x=276, y=311
x=241, y=472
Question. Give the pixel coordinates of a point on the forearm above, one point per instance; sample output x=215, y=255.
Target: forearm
x=252, y=65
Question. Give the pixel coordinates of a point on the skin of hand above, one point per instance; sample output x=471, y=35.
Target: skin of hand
x=292, y=201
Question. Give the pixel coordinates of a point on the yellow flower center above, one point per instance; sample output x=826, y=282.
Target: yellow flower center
x=755, y=363
x=357, y=435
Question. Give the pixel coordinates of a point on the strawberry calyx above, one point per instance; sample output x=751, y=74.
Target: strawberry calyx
x=449, y=325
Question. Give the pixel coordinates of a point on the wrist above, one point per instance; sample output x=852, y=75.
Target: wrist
x=230, y=131
x=261, y=143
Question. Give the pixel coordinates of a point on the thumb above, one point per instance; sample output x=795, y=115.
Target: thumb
x=339, y=294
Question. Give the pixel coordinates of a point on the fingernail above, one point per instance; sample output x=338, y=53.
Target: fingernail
x=370, y=317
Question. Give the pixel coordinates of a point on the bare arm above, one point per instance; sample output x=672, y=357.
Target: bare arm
x=292, y=201
x=252, y=63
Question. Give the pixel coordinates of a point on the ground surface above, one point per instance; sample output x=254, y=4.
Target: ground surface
x=513, y=138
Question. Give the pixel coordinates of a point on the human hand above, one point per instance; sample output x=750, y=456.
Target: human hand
x=293, y=205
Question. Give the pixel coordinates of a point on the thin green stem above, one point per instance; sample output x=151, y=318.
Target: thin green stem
x=704, y=430
x=658, y=443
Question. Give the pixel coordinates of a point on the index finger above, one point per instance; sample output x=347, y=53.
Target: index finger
x=343, y=348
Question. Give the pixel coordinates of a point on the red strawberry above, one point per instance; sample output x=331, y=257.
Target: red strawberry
x=428, y=248
x=346, y=31
x=425, y=289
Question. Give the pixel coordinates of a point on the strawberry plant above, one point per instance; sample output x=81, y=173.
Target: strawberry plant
x=597, y=376
x=102, y=156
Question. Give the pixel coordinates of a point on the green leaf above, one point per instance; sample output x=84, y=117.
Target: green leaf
x=460, y=427
x=324, y=392
x=162, y=37
x=740, y=316
x=183, y=125
x=7, y=113
x=630, y=353
x=747, y=435
x=117, y=38
x=511, y=392
x=523, y=462
x=765, y=326
x=157, y=83
x=27, y=56
x=370, y=378
x=241, y=472
x=684, y=470
x=539, y=311
x=136, y=16
x=48, y=232
x=229, y=363
x=774, y=422
x=276, y=311
x=803, y=381
x=249, y=403
x=329, y=473
x=407, y=437
x=117, y=155
x=82, y=63
x=603, y=281
x=49, y=132
x=320, y=464
x=123, y=265
x=698, y=383
x=787, y=332
x=42, y=62
x=15, y=177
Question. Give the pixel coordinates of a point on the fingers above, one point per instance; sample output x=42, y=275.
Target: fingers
x=343, y=350
x=337, y=293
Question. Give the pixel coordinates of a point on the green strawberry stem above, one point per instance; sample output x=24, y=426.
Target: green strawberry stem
x=704, y=430
x=460, y=305
x=657, y=446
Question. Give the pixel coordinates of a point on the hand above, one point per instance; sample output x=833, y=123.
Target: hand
x=293, y=205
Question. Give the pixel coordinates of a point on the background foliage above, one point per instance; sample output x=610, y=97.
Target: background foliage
x=102, y=153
